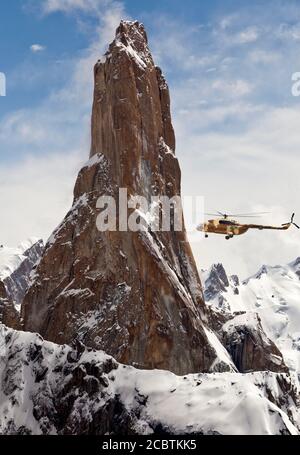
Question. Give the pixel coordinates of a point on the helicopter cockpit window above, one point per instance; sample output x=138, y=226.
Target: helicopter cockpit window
x=227, y=222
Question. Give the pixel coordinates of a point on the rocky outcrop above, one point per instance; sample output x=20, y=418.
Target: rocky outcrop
x=16, y=265
x=136, y=295
x=8, y=313
x=217, y=284
x=241, y=332
x=50, y=389
x=248, y=345
x=268, y=301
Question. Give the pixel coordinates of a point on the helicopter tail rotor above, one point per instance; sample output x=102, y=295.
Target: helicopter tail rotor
x=292, y=223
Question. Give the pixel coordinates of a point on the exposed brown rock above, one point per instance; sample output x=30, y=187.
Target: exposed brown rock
x=8, y=313
x=136, y=295
x=249, y=346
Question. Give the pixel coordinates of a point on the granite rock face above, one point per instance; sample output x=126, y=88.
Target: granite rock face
x=135, y=295
x=249, y=346
x=8, y=313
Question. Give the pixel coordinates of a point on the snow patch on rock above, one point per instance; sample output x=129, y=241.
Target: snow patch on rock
x=53, y=389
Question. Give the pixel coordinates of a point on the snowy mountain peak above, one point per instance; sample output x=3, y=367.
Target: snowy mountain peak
x=11, y=258
x=295, y=265
x=131, y=38
x=217, y=282
x=274, y=294
x=16, y=265
x=216, y=279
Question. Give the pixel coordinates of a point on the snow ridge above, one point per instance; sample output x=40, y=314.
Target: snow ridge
x=273, y=293
x=52, y=389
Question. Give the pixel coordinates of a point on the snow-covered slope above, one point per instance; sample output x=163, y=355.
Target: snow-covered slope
x=273, y=293
x=16, y=265
x=52, y=389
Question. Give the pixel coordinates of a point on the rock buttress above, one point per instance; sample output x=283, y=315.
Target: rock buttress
x=136, y=295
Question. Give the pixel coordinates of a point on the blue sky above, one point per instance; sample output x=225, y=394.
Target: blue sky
x=229, y=66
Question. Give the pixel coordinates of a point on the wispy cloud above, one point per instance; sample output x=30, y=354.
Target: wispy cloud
x=237, y=138
x=233, y=89
x=262, y=56
x=249, y=35
x=226, y=21
x=35, y=48
x=52, y=6
x=35, y=194
x=36, y=190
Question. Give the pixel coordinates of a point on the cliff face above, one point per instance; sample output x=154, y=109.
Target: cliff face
x=136, y=295
x=8, y=313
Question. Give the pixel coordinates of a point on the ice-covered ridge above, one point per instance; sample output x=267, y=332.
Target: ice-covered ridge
x=11, y=258
x=274, y=294
x=36, y=372
x=135, y=55
x=82, y=200
x=95, y=159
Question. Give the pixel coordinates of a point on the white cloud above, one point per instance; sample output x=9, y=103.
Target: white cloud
x=289, y=31
x=228, y=21
x=37, y=48
x=251, y=170
x=234, y=89
x=248, y=35
x=261, y=56
x=35, y=194
x=36, y=191
x=66, y=6
x=237, y=136
x=55, y=120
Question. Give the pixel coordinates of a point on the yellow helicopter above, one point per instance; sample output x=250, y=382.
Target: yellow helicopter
x=224, y=225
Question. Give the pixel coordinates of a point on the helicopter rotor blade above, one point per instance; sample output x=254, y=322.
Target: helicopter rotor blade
x=238, y=214
x=296, y=225
x=250, y=214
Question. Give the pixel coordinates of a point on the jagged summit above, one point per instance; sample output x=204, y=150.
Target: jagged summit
x=131, y=111
x=132, y=37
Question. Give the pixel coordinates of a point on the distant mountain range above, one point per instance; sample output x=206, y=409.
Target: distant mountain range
x=273, y=293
